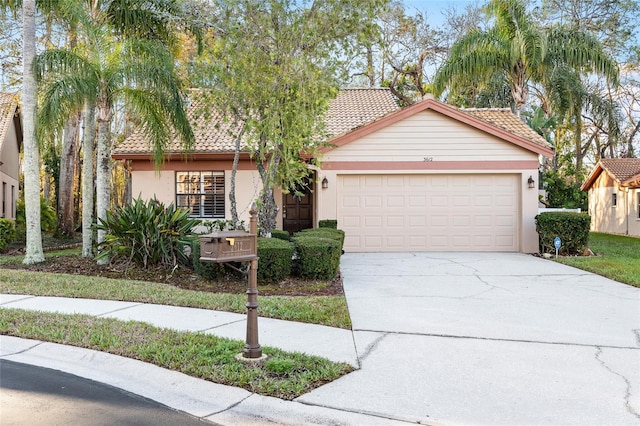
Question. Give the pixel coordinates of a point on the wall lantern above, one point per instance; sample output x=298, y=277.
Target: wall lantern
x=325, y=183
x=531, y=182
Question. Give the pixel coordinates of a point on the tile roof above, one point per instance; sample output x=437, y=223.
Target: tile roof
x=351, y=109
x=211, y=131
x=8, y=106
x=506, y=120
x=622, y=169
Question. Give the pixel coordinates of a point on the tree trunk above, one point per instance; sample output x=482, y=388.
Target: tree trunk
x=519, y=88
x=103, y=169
x=578, y=144
x=233, y=205
x=127, y=196
x=88, y=144
x=66, y=185
x=630, y=152
x=34, y=252
x=370, y=68
x=268, y=213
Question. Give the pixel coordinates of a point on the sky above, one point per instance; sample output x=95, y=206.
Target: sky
x=436, y=7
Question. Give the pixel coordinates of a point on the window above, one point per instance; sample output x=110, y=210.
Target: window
x=202, y=193
x=638, y=196
x=614, y=200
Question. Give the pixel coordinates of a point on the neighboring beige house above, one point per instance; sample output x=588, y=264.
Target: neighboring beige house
x=429, y=177
x=10, y=142
x=614, y=196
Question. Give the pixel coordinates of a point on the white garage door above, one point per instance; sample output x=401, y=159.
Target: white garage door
x=429, y=212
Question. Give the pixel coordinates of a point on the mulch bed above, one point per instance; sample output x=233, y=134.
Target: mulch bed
x=181, y=277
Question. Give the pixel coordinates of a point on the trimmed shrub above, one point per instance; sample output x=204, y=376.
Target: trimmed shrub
x=328, y=223
x=317, y=257
x=331, y=233
x=572, y=228
x=275, y=256
x=7, y=233
x=280, y=234
x=207, y=270
x=146, y=233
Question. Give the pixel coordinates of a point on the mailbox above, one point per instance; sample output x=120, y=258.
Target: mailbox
x=228, y=246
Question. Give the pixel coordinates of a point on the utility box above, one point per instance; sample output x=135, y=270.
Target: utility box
x=228, y=246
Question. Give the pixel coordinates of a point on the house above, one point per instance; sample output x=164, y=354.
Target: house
x=429, y=177
x=10, y=143
x=614, y=196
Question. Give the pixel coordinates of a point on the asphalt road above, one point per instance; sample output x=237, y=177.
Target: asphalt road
x=41, y=396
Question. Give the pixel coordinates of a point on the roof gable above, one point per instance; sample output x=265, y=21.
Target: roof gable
x=8, y=115
x=501, y=123
x=625, y=171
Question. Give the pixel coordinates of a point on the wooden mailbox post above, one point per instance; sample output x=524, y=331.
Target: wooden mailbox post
x=239, y=246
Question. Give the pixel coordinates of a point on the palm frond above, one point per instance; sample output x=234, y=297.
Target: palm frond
x=581, y=51
x=60, y=62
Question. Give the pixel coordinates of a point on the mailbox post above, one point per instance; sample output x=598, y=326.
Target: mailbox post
x=252, y=348
x=239, y=246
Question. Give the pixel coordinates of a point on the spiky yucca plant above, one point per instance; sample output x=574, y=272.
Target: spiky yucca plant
x=146, y=234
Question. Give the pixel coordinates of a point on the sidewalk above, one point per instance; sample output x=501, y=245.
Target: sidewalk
x=213, y=402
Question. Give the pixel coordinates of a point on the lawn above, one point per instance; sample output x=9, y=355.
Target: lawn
x=65, y=274
x=283, y=375
x=325, y=310
x=617, y=257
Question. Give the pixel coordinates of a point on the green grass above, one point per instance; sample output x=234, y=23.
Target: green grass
x=325, y=310
x=618, y=258
x=47, y=255
x=284, y=375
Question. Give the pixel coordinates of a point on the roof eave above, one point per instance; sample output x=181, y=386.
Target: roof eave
x=595, y=174
x=632, y=182
x=179, y=156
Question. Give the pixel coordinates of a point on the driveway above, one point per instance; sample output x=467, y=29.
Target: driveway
x=488, y=338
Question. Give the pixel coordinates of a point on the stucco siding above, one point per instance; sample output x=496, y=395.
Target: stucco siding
x=605, y=217
x=428, y=136
x=634, y=212
x=9, y=155
x=148, y=184
x=9, y=172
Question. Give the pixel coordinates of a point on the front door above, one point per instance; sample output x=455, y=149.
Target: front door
x=297, y=210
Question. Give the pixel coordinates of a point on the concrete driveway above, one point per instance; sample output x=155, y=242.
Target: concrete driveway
x=488, y=338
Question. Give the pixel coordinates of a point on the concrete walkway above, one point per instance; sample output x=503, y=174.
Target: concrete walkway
x=440, y=338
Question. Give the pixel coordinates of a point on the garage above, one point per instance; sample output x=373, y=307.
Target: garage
x=433, y=177
x=429, y=212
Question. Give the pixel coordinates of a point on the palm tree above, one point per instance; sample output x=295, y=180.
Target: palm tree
x=520, y=52
x=572, y=100
x=34, y=252
x=137, y=73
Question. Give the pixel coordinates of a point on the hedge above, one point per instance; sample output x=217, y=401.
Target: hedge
x=7, y=233
x=317, y=257
x=207, y=270
x=274, y=262
x=331, y=233
x=328, y=223
x=280, y=234
x=572, y=228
